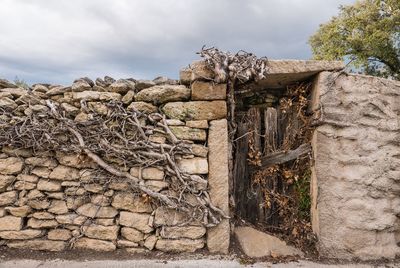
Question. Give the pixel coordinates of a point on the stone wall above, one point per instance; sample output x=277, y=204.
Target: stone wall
x=55, y=201
x=356, y=176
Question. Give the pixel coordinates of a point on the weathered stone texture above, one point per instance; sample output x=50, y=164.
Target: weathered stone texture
x=163, y=94
x=59, y=234
x=64, y=173
x=10, y=223
x=188, y=133
x=196, y=165
x=196, y=110
x=218, y=236
x=93, y=211
x=21, y=235
x=55, y=200
x=130, y=202
x=256, y=244
x=196, y=70
x=208, y=91
x=355, y=183
x=143, y=107
x=138, y=221
x=94, y=244
x=11, y=165
x=101, y=232
x=8, y=198
x=46, y=245
x=180, y=245
x=132, y=234
x=192, y=232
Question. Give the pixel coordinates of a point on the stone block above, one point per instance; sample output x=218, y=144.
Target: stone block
x=11, y=165
x=43, y=172
x=27, y=178
x=58, y=207
x=101, y=232
x=59, y=234
x=166, y=216
x=132, y=234
x=10, y=223
x=196, y=110
x=93, y=187
x=256, y=244
x=8, y=198
x=100, y=200
x=149, y=173
x=41, y=224
x=179, y=245
x=22, y=211
x=156, y=186
x=208, y=91
x=199, y=150
x=164, y=93
x=196, y=70
x=104, y=222
x=5, y=181
x=94, y=244
x=41, y=162
x=142, y=84
x=38, y=204
x=22, y=185
x=129, y=201
x=174, y=122
x=150, y=242
x=122, y=86
x=203, y=124
x=126, y=244
x=196, y=165
x=75, y=160
x=138, y=221
x=42, y=215
x=67, y=218
x=96, y=95
x=143, y=107
x=18, y=152
x=218, y=181
x=48, y=185
x=175, y=232
x=21, y=234
x=38, y=244
x=64, y=173
x=188, y=133
x=7, y=103
x=93, y=211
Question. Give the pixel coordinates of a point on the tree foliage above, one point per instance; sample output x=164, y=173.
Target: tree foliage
x=367, y=33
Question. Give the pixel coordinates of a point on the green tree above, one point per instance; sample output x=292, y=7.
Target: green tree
x=367, y=33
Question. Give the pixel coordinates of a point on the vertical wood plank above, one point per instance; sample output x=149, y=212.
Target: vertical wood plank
x=271, y=130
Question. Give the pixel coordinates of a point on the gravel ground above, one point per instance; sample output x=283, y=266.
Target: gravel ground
x=209, y=263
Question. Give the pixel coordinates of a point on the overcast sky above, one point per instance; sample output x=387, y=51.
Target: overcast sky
x=58, y=40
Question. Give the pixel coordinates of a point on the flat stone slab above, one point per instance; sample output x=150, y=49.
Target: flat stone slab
x=257, y=244
x=285, y=72
x=280, y=72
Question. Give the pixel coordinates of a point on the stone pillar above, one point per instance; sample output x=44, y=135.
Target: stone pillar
x=218, y=179
x=355, y=184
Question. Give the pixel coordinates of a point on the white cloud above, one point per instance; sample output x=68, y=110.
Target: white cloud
x=57, y=41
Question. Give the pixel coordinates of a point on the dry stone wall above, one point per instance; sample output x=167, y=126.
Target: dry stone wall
x=52, y=200
x=356, y=176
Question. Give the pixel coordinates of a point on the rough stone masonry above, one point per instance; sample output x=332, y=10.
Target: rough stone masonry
x=52, y=200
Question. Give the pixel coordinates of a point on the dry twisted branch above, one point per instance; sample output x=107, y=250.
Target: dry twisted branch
x=242, y=66
x=118, y=139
